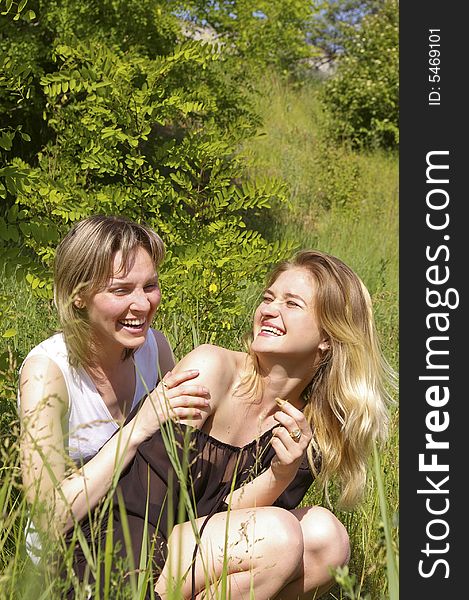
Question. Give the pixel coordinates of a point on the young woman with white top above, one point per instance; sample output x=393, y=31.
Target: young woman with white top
x=77, y=388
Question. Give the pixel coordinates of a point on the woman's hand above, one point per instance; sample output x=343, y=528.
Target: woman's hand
x=289, y=441
x=266, y=488
x=173, y=398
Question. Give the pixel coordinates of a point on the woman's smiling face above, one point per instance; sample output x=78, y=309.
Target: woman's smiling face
x=285, y=322
x=121, y=314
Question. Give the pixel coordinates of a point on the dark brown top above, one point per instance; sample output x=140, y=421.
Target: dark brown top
x=153, y=491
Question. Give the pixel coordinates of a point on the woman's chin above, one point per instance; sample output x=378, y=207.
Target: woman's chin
x=132, y=339
x=263, y=344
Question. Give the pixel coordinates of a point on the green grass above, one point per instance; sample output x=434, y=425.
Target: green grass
x=341, y=202
x=344, y=203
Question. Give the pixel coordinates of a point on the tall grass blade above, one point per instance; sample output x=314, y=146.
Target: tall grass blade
x=391, y=562
x=108, y=550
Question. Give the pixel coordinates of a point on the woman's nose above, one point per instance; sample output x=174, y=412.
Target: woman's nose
x=140, y=300
x=272, y=308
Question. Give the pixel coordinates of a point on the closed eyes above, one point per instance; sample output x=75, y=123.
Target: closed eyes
x=122, y=291
x=289, y=303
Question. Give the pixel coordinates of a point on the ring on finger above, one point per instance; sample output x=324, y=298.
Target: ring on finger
x=295, y=435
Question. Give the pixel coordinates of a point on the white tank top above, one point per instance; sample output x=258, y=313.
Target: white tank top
x=90, y=423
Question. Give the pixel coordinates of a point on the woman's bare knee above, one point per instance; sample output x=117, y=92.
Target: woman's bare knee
x=325, y=535
x=262, y=538
x=326, y=546
x=284, y=539
x=266, y=542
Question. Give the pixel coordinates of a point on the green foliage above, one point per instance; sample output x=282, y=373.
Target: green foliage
x=266, y=32
x=16, y=9
x=363, y=95
x=391, y=554
x=348, y=583
x=335, y=21
x=125, y=131
x=146, y=25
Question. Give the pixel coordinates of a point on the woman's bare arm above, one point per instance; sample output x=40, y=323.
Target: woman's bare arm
x=59, y=493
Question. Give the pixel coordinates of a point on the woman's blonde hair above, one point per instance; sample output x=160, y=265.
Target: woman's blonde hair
x=346, y=402
x=84, y=264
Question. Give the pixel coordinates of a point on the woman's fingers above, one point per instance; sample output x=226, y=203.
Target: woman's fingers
x=186, y=390
x=194, y=396
x=290, y=410
x=289, y=448
x=288, y=422
x=290, y=440
x=184, y=413
x=294, y=423
x=177, y=399
x=288, y=454
x=171, y=380
x=175, y=388
x=296, y=428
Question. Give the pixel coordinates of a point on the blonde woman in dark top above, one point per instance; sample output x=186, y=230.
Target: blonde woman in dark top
x=306, y=401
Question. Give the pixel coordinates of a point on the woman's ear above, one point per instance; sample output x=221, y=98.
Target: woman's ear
x=324, y=346
x=79, y=303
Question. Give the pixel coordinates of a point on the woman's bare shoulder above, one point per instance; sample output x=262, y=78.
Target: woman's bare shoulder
x=40, y=368
x=41, y=382
x=213, y=362
x=209, y=353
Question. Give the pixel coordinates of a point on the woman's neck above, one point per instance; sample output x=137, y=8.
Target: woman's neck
x=106, y=359
x=285, y=382
x=115, y=382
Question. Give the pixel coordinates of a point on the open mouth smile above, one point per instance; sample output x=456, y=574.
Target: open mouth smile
x=133, y=323
x=271, y=330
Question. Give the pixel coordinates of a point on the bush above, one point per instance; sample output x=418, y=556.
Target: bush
x=363, y=96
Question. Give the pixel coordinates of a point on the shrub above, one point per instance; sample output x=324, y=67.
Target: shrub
x=362, y=97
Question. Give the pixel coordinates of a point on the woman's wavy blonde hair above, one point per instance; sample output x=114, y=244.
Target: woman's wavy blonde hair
x=347, y=400
x=84, y=264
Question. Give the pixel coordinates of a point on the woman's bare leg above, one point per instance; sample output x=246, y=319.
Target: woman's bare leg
x=326, y=544
x=264, y=549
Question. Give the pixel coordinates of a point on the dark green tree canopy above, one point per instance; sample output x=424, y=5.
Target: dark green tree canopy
x=108, y=108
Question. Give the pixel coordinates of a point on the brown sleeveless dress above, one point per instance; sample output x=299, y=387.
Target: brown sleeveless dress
x=155, y=497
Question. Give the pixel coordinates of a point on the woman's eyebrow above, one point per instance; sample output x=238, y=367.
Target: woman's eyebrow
x=290, y=295
x=118, y=280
